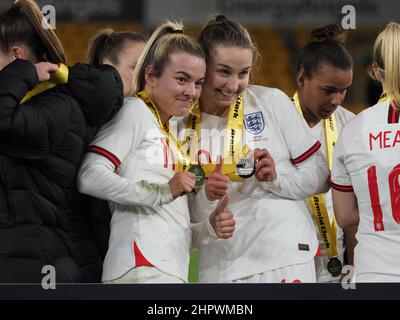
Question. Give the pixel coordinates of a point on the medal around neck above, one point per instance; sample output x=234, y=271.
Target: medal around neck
x=199, y=173
x=335, y=267
x=245, y=167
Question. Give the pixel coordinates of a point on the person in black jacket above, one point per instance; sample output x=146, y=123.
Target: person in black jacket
x=42, y=142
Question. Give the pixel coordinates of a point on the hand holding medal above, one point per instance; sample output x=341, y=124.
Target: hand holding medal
x=265, y=165
x=200, y=175
x=181, y=183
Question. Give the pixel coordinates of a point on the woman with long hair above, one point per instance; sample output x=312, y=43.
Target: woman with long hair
x=365, y=173
x=46, y=111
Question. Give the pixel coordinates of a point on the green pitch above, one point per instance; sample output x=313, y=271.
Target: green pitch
x=193, y=266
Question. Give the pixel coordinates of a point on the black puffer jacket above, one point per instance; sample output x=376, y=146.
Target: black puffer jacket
x=42, y=143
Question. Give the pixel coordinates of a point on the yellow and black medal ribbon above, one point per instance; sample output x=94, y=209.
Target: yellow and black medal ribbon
x=233, y=150
x=327, y=230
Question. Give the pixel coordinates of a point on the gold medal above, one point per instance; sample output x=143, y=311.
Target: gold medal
x=335, y=267
x=198, y=171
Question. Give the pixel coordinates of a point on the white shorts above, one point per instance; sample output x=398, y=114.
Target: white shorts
x=145, y=274
x=297, y=273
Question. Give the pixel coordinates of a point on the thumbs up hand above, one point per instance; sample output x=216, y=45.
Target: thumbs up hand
x=222, y=221
x=217, y=183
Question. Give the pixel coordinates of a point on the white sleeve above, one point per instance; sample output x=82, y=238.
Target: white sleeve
x=310, y=172
x=97, y=175
x=203, y=234
x=340, y=179
x=307, y=178
x=199, y=206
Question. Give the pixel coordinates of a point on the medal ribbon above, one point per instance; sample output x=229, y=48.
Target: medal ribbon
x=58, y=77
x=182, y=159
x=383, y=97
x=232, y=150
x=317, y=202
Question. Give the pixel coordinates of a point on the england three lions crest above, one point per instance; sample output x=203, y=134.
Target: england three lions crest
x=254, y=122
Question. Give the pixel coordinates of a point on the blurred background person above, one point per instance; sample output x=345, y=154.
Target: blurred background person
x=120, y=49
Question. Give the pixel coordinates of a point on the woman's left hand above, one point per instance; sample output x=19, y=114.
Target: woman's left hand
x=265, y=165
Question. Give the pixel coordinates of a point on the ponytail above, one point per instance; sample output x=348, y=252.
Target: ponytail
x=326, y=45
x=107, y=44
x=165, y=40
x=22, y=22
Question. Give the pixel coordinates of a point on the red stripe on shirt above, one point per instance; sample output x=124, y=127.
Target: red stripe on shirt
x=307, y=154
x=393, y=113
x=103, y=152
x=339, y=187
x=140, y=260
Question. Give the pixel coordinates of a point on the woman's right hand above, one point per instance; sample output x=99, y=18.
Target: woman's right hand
x=44, y=69
x=182, y=183
x=222, y=220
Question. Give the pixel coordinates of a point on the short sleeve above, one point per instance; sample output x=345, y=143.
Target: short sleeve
x=340, y=177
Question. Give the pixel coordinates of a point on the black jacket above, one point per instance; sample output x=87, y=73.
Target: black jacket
x=42, y=142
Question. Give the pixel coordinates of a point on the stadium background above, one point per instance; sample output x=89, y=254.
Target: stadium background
x=278, y=27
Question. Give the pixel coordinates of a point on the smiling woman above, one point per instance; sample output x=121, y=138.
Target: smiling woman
x=136, y=164
x=179, y=85
x=274, y=240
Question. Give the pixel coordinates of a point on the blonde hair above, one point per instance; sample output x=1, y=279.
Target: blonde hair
x=387, y=58
x=21, y=22
x=165, y=40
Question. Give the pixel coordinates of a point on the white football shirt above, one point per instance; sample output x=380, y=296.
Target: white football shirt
x=273, y=226
x=130, y=164
x=366, y=161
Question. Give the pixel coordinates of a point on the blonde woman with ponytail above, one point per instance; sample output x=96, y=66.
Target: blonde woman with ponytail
x=366, y=169
x=136, y=164
x=46, y=114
